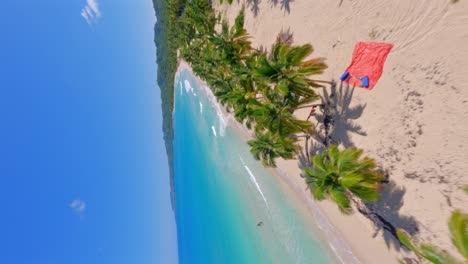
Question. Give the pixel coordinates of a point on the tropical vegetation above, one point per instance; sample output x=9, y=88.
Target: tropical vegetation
x=165, y=35
x=261, y=89
x=268, y=147
x=341, y=174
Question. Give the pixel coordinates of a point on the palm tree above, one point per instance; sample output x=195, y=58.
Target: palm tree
x=278, y=119
x=197, y=20
x=458, y=226
x=340, y=174
x=233, y=44
x=245, y=73
x=267, y=147
x=288, y=71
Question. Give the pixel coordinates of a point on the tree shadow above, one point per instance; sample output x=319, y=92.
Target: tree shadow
x=387, y=211
x=254, y=6
x=335, y=124
x=316, y=146
x=313, y=146
x=343, y=116
x=304, y=161
x=284, y=4
x=285, y=36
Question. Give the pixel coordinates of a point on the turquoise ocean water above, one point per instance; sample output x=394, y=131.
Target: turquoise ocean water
x=222, y=193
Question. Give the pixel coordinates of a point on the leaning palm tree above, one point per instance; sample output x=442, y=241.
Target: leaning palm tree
x=287, y=69
x=267, y=147
x=342, y=174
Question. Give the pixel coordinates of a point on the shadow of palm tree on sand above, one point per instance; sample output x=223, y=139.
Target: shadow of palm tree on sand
x=335, y=125
x=314, y=147
x=254, y=6
x=284, y=4
x=387, y=217
x=343, y=116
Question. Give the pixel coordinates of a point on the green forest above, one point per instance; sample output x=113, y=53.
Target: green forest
x=165, y=34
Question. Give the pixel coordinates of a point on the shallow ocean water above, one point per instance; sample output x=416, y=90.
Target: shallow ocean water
x=229, y=208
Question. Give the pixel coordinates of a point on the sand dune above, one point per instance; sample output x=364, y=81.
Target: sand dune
x=414, y=122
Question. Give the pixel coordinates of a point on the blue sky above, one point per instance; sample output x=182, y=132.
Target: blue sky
x=83, y=169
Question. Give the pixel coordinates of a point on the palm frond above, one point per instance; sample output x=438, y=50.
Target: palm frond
x=436, y=255
x=317, y=191
x=239, y=22
x=296, y=55
x=365, y=193
x=340, y=174
x=338, y=195
x=429, y=252
x=458, y=226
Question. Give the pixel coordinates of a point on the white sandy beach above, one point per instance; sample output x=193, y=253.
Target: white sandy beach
x=414, y=120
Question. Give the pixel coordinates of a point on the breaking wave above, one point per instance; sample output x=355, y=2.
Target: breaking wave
x=188, y=86
x=223, y=118
x=254, y=180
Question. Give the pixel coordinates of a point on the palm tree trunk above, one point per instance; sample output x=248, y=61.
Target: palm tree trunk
x=373, y=216
x=257, y=50
x=299, y=136
x=320, y=81
x=306, y=106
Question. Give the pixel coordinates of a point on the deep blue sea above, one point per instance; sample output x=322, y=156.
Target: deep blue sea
x=222, y=193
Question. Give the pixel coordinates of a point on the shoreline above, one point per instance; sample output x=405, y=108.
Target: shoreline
x=329, y=235
x=400, y=122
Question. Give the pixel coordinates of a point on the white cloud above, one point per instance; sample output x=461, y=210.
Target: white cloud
x=78, y=206
x=91, y=12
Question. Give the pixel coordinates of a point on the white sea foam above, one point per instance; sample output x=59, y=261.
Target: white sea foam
x=222, y=117
x=214, y=131
x=254, y=180
x=188, y=86
x=222, y=124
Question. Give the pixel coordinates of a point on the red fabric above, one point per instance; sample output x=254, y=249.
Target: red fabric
x=368, y=59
